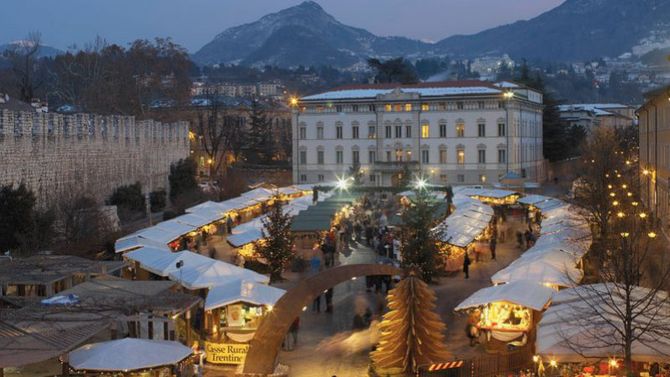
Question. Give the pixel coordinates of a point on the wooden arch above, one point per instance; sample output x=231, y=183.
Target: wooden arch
x=264, y=347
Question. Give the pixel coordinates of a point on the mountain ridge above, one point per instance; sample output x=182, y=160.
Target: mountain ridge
x=576, y=30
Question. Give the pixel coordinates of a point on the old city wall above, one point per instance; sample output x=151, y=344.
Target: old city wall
x=55, y=154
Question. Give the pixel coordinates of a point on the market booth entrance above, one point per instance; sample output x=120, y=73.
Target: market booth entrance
x=265, y=345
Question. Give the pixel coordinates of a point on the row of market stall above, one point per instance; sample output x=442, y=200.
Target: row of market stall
x=509, y=310
x=209, y=218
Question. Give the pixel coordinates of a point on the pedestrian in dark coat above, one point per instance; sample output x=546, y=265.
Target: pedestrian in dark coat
x=494, y=242
x=329, y=300
x=466, y=265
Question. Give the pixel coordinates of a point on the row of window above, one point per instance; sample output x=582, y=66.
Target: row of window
x=399, y=155
x=397, y=131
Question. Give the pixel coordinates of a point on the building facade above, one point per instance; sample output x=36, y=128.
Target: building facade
x=464, y=132
x=84, y=153
x=612, y=115
x=654, y=126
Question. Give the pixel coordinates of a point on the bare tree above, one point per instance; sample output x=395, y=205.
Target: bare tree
x=220, y=135
x=599, y=162
x=628, y=308
x=23, y=57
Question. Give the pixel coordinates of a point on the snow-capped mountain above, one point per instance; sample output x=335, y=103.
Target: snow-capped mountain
x=576, y=30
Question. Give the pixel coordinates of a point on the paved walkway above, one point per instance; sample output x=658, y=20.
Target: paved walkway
x=308, y=360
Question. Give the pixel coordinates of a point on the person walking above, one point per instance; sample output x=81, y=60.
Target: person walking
x=329, y=300
x=494, y=242
x=293, y=330
x=316, y=304
x=466, y=265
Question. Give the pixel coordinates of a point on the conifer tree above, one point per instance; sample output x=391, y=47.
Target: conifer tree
x=418, y=239
x=277, y=243
x=412, y=334
x=260, y=134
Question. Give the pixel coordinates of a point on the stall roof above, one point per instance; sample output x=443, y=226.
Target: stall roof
x=529, y=294
x=213, y=274
x=158, y=234
x=541, y=271
x=192, y=220
x=533, y=199
x=175, y=227
x=127, y=355
x=135, y=241
x=162, y=262
x=249, y=292
x=488, y=193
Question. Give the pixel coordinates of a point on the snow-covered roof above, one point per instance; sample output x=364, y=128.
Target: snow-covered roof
x=127, y=355
x=467, y=222
x=488, y=193
x=424, y=92
x=213, y=274
x=599, y=109
x=249, y=292
x=135, y=241
x=529, y=294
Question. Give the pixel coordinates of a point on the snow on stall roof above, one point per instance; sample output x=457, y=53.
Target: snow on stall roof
x=526, y=293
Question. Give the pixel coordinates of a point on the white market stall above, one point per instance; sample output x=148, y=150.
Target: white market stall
x=236, y=308
x=507, y=311
x=139, y=357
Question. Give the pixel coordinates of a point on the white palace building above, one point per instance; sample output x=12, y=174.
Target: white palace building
x=460, y=132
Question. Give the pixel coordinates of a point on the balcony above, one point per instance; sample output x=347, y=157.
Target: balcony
x=395, y=166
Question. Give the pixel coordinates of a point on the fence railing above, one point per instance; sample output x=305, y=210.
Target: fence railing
x=487, y=366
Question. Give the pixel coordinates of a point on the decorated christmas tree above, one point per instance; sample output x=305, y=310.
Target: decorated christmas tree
x=277, y=243
x=411, y=332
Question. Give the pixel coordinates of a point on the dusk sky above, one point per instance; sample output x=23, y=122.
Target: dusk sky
x=192, y=23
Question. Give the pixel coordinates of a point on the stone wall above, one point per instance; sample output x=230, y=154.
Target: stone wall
x=54, y=154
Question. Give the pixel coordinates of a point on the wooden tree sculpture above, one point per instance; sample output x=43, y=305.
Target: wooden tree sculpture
x=412, y=333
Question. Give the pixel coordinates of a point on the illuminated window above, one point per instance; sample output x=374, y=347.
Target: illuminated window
x=397, y=108
x=425, y=131
x=398, y=154
x=425, y=107
x=371, y=132
x=460, y=130
x=408, y=107
x=482, y=178
x=460, y=157
x=387, y=107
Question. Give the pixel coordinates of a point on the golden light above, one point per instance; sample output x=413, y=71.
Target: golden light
x=420, y=184
x=620, y=215
x=607, y=175
x=191, y=135
x=624, y=234
x=304, y=308
x=609, y=187
x=643, y=215
x=269, y=308
x=651, y=235
x=624, y=186
x=210, y=161
x=618, y=175
x=613, y=363
x=612, y=194
x=536, y=358
x=615, y=203
x=293, y=101
x=627, y=162
x=629, y=194
x=508, y=94
x=553, y=363
x=645, y=172
x=634, y=204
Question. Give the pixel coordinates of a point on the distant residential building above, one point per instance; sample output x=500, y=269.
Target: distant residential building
x=611, y=115
x=655, y=153
x=261, y=89
x=488, y=66
x=462, y=132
